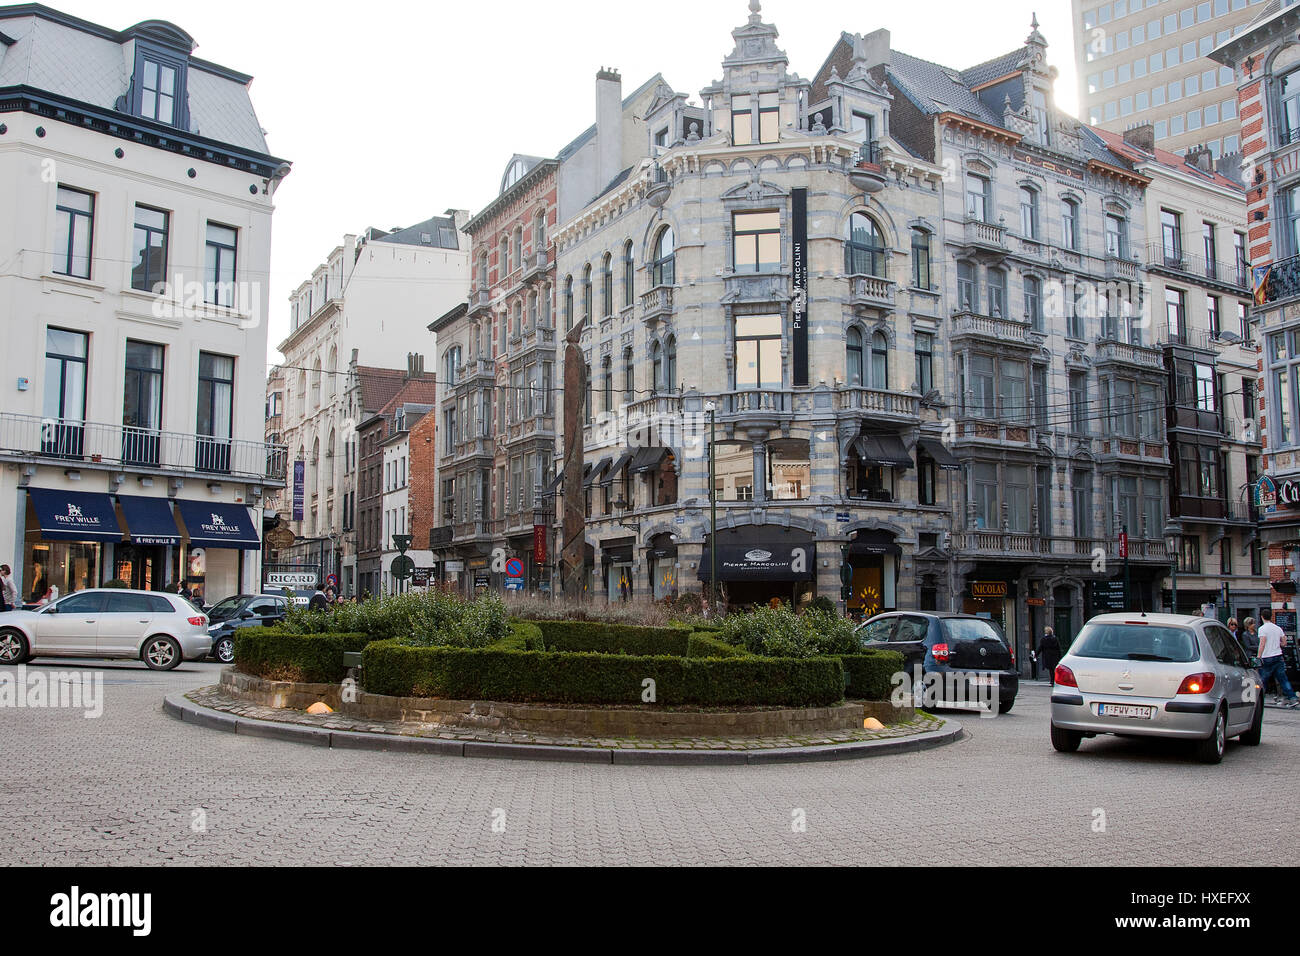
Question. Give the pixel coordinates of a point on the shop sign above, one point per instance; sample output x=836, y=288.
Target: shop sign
x=1036, y=602
x=453, y=567
x=476, y=564
x=1271, y=494
x=291, y=579
x=843, y=517
x=1108, y=596
x=988, y=589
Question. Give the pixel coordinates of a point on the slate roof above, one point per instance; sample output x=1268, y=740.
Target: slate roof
x=85, y=63
x=995, y=68
x=440, y=230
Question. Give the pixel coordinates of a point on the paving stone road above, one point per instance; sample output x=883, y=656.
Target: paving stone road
x=128, y=787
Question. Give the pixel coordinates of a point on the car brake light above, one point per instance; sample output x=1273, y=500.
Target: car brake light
x=199, y=621
x=940, y=653
x=1064, y=677
x=1201, y=683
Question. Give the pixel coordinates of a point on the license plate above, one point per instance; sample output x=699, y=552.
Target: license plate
x=1125, y=710
x=984, y=680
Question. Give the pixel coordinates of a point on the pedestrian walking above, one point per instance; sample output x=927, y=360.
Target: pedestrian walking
x=1271, y=663
x=1049, y=652
x=318, y=602
x=8, y=590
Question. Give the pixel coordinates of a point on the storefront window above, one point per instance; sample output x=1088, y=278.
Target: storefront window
x=66, y=565
x=789, y=470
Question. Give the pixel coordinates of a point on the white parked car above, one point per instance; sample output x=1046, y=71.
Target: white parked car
x=159, y=629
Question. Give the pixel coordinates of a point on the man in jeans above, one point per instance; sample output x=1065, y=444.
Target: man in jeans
x=1271, y=663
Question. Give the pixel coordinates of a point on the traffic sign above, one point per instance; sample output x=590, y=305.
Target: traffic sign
x=402, y=567
x=514, y=568
x=332, y=580
x=401, y=542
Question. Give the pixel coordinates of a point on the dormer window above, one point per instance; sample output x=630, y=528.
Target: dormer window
x=158, y=91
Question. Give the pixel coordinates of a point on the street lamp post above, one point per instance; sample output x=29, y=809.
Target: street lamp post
x=713, y=510
x=1173, y=538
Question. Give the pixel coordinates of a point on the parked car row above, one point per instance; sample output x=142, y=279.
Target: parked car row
x=159, y=628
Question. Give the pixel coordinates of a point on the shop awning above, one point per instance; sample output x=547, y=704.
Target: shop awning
x=617, y=468
x=218, y=525
x=595, y=473
x=647, y=459
x=882, y=450
x=759, y=562
x=149, y=520
x=941, y=455
x=75, y=515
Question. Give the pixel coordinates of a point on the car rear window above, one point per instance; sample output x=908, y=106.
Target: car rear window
x=1136, y=642
x=957, y=629
x=161, y=605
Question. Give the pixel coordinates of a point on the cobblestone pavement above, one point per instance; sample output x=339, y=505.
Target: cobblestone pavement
x=215, y=698
x=133, y=787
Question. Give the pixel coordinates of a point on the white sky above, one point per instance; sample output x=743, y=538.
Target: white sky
x=394, y=111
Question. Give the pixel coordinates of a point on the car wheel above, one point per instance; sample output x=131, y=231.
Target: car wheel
x=161, y=653
x=1065, y=741
x=224, y=650
x=13, y=647
x=1210, y=750
x=1251, y=737
x=1006, y=705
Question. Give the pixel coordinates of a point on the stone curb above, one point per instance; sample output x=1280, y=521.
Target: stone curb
x=182, y=708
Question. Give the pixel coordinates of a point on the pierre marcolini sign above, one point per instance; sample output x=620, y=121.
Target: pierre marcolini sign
x=75, y=909
x=799, y=277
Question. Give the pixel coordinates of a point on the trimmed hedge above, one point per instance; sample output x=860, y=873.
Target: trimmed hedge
x=600, y=638
x=703, y=644
x=523, y=636
x=573, y=678
x=869, y=674
x=271, y=653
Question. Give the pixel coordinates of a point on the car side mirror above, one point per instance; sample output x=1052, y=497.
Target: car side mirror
x=246, y=615
x=52, y=609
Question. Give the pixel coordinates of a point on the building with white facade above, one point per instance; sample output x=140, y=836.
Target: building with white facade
x=363, y=307
x=396, y=500
x=137, y=195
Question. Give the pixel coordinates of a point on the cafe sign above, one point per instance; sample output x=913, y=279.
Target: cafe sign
x=988, y=589
x=1270, y=494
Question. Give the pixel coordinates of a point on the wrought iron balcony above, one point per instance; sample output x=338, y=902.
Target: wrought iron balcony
x=868, y=174
x=1282, y=280
x=72, y=443
x=1235, y=275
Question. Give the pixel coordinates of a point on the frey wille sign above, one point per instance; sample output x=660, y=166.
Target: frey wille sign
x=799, y=266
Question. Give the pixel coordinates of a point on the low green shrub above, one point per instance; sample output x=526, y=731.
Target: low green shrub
x=707, y=644
x=425, y=618
x=821, y=603
x=870, y=673
x=522, y=636
x=275, y=654
x=779, y=632
x=490, y=674
x=603, y=638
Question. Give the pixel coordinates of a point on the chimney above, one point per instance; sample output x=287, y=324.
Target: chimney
x=609, y=127
x=1142, y=136
x=459, y=216
x=1201, y=158
x=1229, y=166
x=874, y=49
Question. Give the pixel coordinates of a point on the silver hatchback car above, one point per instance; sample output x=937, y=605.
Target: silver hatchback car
x=1157, y=675
x=159, y=629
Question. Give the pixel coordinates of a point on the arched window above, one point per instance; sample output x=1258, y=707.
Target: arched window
x=568, y=303
x=864, y=250
x=1029, y=212
x=586, y=392
x=532, y=310
x=663, y=270
x=670, y=364
x=607, y=370
x=315, y=385
x=853, y=358
x=879, y=360
x=503, y=260
x=586, y=293
x=516, y=328
x=539, y=233
x=656, y=368
x=330, y=370
x=483, y=271
x=450, y=365
x=517, y=254
x=629, y=376
x=607, y=285
x=628, y=273
x=544, y=307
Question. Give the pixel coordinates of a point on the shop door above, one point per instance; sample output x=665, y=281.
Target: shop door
x=1061, y=623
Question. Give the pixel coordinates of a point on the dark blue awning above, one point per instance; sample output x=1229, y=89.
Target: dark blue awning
x=75, y=515
x=212, y=525
x=149, y=520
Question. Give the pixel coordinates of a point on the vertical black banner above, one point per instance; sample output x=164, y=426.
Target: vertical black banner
x=799, y=262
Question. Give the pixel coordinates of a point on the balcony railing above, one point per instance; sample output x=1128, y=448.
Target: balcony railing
x=877, y=400
x=988, y=327
x=72, y=442
x=1235, y=274
x=657, y=303
x=1282, y=281
x=1112, y=350
x=871, y=290
x=1015, y=542
x=987, y=234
